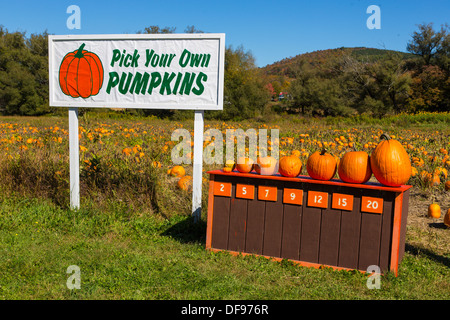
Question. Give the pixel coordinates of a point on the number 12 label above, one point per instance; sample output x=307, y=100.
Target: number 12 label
x=317, y=199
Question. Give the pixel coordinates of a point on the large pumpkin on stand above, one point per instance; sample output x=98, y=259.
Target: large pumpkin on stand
x=390, y=162
x=354, y=167
x=321, y=165
x=81, y=73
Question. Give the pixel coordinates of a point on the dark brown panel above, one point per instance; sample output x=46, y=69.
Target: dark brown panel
x=310, y=235
x=405, y=205
x=273, y=225
x=221, y=215
x=329, y=232
x=255, y=225
x=386, y=230
x=349, y=234
x=238, y=220
x=369, y=245
x=292, y=219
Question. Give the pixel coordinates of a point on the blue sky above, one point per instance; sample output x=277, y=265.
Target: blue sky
x=271, y=30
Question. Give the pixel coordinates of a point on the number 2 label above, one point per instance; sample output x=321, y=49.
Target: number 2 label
x=222, y=189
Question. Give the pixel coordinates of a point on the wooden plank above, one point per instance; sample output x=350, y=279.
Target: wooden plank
x=330, y=232
x=210, y=217
x=310, y=234
x=238, y=220
x=220, y=225
x=386, y=230
x=273, y=226
x=405, y=207
x=349, y=233
x=255, y=225
x=369, y=245
x=290, y=243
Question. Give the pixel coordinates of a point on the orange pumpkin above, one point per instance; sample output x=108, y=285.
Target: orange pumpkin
x=434, y=211
x=354, y=167
x=244, y=165
x=177, y=171
x=267, y=166
x=447, y=218
x=184, y=183
x=321, y=165
x=81, y=73
x=290, y=166
x=447, y=185
x=390, y=162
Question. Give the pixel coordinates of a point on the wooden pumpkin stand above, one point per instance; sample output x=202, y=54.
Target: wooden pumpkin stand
x=310, y=222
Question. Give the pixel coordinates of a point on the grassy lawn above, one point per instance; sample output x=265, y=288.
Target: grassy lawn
x=133, y=238
x=126, y=256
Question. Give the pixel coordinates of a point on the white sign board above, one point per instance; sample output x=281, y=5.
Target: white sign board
x=149, y=71
x=157, y=71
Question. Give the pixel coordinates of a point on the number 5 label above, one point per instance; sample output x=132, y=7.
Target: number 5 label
x=293, y=196
x=370, y=204
x=245, y=191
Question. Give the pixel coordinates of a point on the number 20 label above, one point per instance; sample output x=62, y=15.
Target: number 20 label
x=370, y=204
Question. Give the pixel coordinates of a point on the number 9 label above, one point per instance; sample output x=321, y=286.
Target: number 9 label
x=293, y=196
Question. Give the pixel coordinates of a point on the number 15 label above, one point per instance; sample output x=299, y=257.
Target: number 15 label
x=342, y=201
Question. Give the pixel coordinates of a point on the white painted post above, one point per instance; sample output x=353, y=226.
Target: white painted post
x=197, y=166
x=74, y=155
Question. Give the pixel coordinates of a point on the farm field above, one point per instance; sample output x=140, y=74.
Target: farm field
x=133, y=238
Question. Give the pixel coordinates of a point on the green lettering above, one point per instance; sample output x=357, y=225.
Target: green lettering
x=186, y=85
x=139, y=85
x=184, y=59
x=177, y=83
x=156, y=80
x=123, y=87
x=116, y=56
x=112, y=82
x=165, y=86
x=148, y=55
x=198, y=91
x=196, y=59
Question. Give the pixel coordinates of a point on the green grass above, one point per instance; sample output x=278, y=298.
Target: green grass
x=124, y=255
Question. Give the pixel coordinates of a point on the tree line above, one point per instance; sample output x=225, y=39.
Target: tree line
x=341, y=84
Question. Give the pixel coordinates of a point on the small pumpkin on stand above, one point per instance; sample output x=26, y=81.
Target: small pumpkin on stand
x=354, y=167
x=290, y=166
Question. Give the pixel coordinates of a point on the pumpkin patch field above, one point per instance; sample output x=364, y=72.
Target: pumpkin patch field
x=133, y=237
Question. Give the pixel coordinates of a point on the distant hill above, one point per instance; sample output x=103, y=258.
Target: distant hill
x=323, y=58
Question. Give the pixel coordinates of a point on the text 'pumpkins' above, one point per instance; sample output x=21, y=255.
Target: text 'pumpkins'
x=390, y=162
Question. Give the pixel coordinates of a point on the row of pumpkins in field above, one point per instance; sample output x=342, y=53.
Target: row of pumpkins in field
x=389, y=163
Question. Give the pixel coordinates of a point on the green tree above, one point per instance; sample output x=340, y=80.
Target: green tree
x=426, y=42
x=23, y=73
x=245, y=93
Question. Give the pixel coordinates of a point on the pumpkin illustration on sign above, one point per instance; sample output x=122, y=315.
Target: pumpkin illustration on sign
x=81, y=73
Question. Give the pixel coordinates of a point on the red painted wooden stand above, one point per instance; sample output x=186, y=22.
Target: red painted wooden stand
x=310, y=222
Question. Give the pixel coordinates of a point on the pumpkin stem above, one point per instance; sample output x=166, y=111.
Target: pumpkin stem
x=385, y=136
x=79, y=53
x=323, y=152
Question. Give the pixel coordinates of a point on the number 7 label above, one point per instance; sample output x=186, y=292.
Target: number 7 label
x=267, y=193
